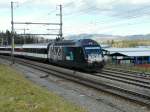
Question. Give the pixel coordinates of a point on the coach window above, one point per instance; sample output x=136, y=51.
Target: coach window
x=27, y=49
x=37, y=50
x=30, y=50
x=40, y=50
x=43, y=51
x=33, y=50
x=46, y=51
x=1, y=48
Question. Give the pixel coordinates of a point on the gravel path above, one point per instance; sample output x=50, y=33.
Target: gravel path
x=92, y=100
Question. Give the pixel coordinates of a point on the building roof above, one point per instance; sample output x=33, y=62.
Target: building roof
x=133, y=54
x=105, y=46
x=39, y=45
x=129, y=51
x=143, y=46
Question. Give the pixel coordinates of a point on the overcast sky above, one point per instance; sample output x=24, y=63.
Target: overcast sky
x=116, y=17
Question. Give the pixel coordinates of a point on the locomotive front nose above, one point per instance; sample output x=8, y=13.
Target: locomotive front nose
x=95, y=61
x=94, y=56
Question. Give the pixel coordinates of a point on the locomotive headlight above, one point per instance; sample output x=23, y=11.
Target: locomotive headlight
x=94, y=58
x=100, y=58
x=106, y=58
x=89, y=61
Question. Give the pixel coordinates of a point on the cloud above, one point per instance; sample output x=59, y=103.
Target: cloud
x=130, y=9
x=29, y=10
x=139, y=1
x=117, y=8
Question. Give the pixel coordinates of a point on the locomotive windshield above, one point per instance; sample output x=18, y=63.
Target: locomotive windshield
x=92, y=50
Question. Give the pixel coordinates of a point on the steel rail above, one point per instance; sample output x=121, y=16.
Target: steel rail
x=123, y=76
x=136, y=73
x=130, y=74
x=124, y=80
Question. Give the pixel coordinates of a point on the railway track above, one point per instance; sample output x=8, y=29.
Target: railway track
x=128, y=72
x=138, y=90
x=124, y=79
x=126, y=76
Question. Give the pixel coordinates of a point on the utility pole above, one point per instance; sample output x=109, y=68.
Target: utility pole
x=61, y=34
x=24, y=31
x=60, y=30
x=2, y=41
x=12, y=34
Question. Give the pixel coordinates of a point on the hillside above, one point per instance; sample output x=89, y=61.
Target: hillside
x=103, y=37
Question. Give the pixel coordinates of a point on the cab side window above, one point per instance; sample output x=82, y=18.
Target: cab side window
x=69, y=53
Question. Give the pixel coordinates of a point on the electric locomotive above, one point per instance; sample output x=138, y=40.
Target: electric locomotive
x=83, y=54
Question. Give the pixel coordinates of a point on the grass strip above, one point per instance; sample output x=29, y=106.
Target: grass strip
x=17, y=94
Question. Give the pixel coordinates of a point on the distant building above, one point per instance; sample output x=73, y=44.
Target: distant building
x=128, y=55
x=105, y=46
x=143, y=46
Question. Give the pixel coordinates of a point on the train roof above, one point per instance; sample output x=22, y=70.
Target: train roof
x=81, y=42
x=41, y=45
x=73, y=43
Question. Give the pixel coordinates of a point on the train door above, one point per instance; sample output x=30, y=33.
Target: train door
x=79, y=57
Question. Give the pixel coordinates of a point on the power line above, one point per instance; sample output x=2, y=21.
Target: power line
x=38, y=34
x=61, y=23
x=36, y=23
x=52, y=12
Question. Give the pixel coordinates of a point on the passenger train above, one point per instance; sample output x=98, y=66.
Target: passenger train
x=85, y=54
